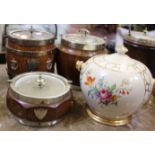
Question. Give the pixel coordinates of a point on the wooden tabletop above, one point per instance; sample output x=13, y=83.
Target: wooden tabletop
x=77, y=119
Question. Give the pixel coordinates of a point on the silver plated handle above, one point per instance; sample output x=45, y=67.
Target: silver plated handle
x=145, y=30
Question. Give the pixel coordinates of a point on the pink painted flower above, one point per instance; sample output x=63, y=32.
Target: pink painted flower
x=105, y=96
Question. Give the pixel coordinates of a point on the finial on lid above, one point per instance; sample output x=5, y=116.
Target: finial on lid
x=41, y=81
x=121, y=49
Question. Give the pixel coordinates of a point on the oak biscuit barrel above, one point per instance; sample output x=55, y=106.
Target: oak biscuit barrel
x=141, y=46
x=30, y=50
x=39, y=98
x=74, y=47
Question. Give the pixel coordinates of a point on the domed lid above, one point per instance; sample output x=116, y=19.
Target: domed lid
x=31, y=37
x=119, y=62
x=40, y=85
x=83, y=41
x=140, y=38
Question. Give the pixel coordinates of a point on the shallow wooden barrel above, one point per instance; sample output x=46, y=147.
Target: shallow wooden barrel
x=33, y=53
x=32, y=114
x=39, y=98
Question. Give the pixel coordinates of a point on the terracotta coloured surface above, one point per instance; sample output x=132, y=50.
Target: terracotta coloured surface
x=77, y=119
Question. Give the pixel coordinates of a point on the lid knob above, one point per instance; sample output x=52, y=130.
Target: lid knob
x=121, y=49
x=41, y=81
x=85, y=32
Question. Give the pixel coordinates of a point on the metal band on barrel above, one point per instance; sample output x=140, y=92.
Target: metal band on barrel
x=29, y=53
x=82, y=47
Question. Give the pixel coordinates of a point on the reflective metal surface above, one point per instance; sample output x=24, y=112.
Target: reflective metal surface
x=83, y=41
x=31, y=37
x=22, y=84
x=140, y=38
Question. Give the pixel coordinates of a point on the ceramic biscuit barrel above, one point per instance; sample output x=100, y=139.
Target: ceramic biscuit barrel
x=115, y=86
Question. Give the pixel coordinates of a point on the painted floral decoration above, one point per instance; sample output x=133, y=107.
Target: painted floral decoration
x=105, y=93
x=89, y=80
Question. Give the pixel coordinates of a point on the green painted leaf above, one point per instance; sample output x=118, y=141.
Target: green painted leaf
x=113, y=87
x=89, y=92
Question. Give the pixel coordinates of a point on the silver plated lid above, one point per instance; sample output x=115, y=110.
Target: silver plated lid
x=38, y=87
x=140, y=38
x=83, y=41
x=31, y=37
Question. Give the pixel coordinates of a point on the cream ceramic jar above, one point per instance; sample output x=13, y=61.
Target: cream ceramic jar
x=114, y=86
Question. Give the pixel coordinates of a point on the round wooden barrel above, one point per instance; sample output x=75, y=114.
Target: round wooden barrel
x=74, y=47
x=141, y=46
x=30, y=50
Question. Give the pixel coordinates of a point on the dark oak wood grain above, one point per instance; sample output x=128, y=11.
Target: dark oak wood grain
x=66, y=59
x=145, y=54
x=21, y=59
x=26, y=111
